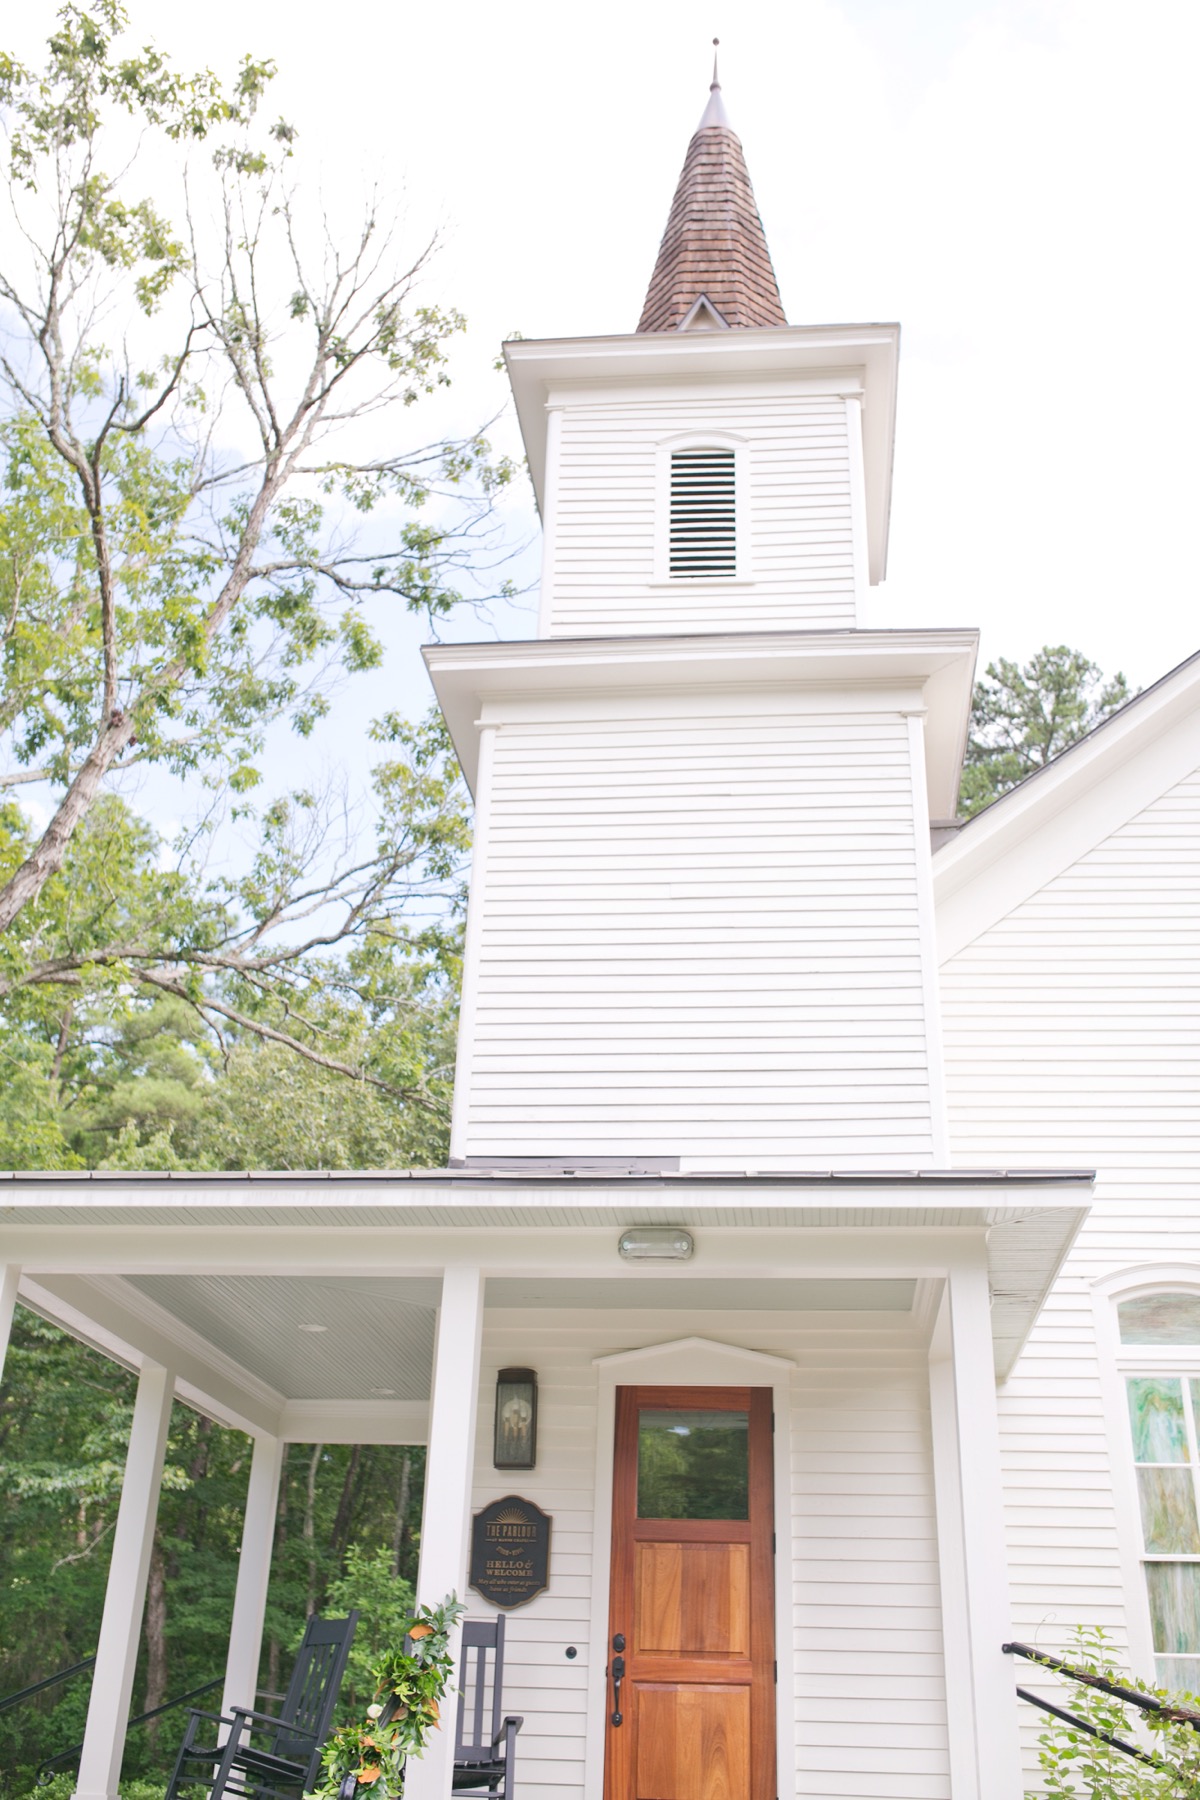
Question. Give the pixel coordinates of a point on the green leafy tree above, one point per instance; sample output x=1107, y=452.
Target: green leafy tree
x=131, y=987
x=188, y=418
x=1023, y=716
x=347, y=1535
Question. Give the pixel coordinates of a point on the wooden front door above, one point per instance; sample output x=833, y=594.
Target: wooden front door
x=691, y=1654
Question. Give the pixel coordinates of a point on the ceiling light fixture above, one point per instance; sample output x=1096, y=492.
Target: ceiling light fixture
x=656, y=1243
x=313, y=1328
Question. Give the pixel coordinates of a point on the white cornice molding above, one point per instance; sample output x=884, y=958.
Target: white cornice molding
x=354, y=1422
x=1034, y=833
x=937, y=667
x=540, y=370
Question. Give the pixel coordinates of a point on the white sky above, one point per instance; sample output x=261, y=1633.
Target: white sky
x=1014, y=182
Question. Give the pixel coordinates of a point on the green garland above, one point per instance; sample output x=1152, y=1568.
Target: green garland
x=410, y=1684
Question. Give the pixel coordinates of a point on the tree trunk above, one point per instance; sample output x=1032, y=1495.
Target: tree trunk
x=400, y=1533
x=281, y=1522
x=46, y=859
x=310, y=1496
x=345, y=1508
x=156, y=1635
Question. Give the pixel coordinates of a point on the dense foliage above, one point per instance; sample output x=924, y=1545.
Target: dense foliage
x=154, y=1017
x=1023, y=716
x=1078, y=1765
x=348, y=1534
x=411, y=1680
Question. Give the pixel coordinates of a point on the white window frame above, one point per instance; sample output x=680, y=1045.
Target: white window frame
x=702, y=440
x=1118, y=1361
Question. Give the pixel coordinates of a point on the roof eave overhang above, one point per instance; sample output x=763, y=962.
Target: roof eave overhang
x=868, y=355
x=1038, y=829
x=941, y=664
x=86, y=1228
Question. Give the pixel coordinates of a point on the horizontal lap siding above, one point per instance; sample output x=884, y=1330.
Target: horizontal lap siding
x=544, y=1686
x=1072, y=1032
x=700, y=939
x=798, y=509
x=869, y=1696
x=861, y=1538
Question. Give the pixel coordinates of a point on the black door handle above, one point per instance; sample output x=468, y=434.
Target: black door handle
x=618, y=1676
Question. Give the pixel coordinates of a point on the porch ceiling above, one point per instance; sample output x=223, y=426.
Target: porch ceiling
x=233, y=1269
x=312, y=1338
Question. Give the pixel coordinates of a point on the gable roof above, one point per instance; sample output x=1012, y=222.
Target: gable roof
x=714, y=247
x=1030, y=835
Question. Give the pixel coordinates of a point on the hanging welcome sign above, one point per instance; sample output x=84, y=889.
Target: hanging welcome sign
x=510, y=1551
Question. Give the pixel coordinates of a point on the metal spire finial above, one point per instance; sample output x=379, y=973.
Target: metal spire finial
x=714, y=112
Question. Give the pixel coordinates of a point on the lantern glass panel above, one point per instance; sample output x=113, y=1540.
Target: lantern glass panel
x=516, y=1419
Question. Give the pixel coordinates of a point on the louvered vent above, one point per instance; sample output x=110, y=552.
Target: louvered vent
x=703, y=521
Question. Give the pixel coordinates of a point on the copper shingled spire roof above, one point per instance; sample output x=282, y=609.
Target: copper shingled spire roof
x=714, y=247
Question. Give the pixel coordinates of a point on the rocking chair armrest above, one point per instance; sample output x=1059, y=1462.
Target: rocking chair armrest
x=265, y=1718
x=196, y=1716
x=509, y=1729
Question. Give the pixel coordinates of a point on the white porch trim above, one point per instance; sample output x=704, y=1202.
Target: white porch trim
x=10, y=1276
x=449, y=1469
x=125, y=1594
x=254, y=1570
x=981, y=1706
x=690, y=1362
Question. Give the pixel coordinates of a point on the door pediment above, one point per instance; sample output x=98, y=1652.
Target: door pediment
x=695, y=1362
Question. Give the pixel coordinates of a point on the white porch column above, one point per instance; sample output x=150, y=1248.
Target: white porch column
x=985, y=1762
x=10, y=1275
x=449, y=1466
x=254, y=1569
x=125, y=1595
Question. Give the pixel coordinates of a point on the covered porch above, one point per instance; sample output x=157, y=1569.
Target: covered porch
x=877, y=1310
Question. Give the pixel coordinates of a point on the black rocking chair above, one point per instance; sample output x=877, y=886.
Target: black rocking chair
x=211, y=1762
x=485, y=1750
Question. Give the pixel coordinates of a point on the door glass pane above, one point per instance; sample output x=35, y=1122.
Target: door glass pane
x=1175, y=1606
x=1168, y=1499
x=1156, y=1414
x=693, y=1465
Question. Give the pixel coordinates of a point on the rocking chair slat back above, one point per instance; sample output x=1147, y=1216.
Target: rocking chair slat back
x=307, y=1711
x=482, y=1645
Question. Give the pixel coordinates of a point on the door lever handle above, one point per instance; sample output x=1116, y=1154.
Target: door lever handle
x=618, y=1676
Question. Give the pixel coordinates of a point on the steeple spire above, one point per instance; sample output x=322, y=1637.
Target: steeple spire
x=713, y=268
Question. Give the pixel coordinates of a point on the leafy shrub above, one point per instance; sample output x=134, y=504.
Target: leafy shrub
x=1078, y=1766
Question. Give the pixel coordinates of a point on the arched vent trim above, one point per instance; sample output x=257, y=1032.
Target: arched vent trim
x=703, y=533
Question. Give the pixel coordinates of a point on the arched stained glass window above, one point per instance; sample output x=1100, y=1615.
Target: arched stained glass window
x=1160, y=1319
x=1164, y=1423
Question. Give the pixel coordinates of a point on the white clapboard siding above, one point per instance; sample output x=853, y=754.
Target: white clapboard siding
x=1072, y=1036
x=602, y=556
x=862, y=1543
x=699, y=937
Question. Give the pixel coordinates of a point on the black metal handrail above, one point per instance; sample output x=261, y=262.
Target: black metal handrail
x=76, y=1750
x=39, y=1687
x=1144, y=1702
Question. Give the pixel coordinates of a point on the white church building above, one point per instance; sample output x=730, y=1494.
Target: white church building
x=832, y=1168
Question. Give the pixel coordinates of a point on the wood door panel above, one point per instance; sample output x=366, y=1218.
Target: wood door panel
x=692, y=1599
x=692, y=1743
x=691, y=1621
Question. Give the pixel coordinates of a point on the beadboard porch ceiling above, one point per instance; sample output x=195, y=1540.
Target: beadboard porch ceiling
x=274, y=1295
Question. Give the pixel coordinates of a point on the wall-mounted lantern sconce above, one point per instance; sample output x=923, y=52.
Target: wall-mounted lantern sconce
x=516, y=1419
